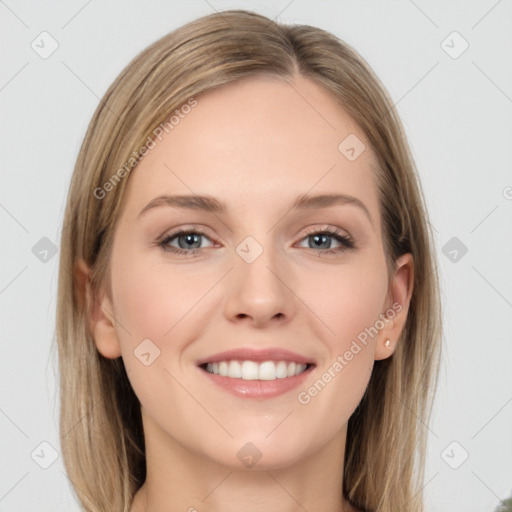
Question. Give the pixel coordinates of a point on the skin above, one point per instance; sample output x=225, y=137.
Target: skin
x=255, y=145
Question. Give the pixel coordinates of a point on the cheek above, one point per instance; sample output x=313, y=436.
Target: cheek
x=349, y=304
x=150, y=299
x=347, y=300
x=354, y=305
x=152, y=307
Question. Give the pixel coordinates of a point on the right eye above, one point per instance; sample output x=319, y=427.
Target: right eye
x=185, y=239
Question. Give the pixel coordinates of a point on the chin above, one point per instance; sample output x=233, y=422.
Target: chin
x=261, y=452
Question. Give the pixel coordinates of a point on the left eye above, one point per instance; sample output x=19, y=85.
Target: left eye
x=321, y=238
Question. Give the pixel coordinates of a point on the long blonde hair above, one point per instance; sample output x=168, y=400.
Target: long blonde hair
x=100, y=422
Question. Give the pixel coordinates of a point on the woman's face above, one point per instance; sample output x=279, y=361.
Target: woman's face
x=260, y=278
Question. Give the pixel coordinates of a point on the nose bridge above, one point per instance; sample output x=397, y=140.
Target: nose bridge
x=259, y=287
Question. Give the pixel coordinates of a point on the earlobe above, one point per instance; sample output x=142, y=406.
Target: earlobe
x=99, y=311
x=397, y=307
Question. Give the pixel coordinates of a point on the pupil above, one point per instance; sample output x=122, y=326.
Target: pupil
x=319, y=237
x=189, y=239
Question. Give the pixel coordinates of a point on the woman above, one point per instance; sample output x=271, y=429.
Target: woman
x=255, y=316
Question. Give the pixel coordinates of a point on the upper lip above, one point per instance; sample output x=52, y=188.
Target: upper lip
x=257, y=355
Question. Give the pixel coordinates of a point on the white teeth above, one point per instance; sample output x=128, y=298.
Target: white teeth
x=223, y=368
x=234, y=370
x=251, y=370
x=267, y=371
x=281, y=370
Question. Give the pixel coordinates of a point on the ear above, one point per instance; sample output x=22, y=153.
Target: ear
x=100, y=313
x=396, y=307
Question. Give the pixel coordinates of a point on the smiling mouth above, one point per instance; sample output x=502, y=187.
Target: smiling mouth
x=252, y=370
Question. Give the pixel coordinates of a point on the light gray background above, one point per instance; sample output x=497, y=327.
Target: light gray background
x=457, y=114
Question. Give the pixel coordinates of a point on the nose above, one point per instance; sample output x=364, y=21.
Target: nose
x=258, y=293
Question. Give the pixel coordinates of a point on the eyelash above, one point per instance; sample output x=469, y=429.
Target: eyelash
x=346, y=242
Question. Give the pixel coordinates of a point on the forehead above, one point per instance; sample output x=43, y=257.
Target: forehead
x=258, y=142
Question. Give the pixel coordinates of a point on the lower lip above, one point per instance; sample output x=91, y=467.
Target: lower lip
x=258, y=388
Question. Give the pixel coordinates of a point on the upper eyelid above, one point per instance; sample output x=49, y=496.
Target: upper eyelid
x=204, y=230
x=185, y=230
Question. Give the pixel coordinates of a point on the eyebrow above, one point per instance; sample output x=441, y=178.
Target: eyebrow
x=210, y=204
